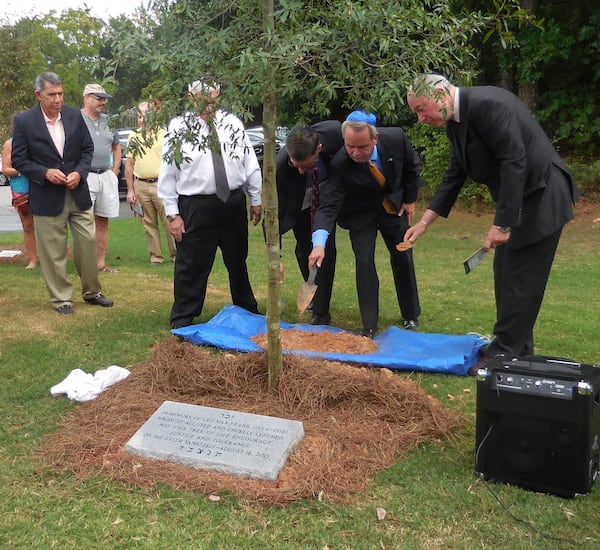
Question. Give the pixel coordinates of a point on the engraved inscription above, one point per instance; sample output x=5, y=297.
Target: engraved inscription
x=204, y=437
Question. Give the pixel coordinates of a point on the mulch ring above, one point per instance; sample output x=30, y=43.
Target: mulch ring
x=357, y=421
x=22, y=258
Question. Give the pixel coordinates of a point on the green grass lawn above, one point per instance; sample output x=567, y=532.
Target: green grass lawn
x=432, y=496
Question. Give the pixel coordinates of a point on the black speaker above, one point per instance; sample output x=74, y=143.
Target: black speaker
x=538, y=424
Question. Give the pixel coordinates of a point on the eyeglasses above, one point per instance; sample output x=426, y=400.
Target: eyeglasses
x=98, y=98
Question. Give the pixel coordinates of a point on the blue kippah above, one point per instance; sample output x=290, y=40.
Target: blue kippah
x=362, y=116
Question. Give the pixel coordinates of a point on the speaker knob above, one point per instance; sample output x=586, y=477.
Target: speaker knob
x=584, y=388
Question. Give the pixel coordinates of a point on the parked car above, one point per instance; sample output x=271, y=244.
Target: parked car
x=3, y=178
x=256, y=135
x=124, y=134
x=257, y=138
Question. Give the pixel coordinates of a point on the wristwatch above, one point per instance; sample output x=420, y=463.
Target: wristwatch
x=172, y=217
x=504, y=229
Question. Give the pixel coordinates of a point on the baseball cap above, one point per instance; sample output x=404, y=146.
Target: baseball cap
x=203, y=87
x=95, y=89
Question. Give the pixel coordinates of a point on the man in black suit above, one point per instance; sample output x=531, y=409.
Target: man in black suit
x=373, y=186
x=497, y=141
x=53, y=148
x=302, y=172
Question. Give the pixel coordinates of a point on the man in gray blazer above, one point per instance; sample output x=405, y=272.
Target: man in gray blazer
x=53, y=148
x=497, y=141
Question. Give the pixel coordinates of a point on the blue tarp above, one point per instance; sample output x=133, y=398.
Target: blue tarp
x=233, y=327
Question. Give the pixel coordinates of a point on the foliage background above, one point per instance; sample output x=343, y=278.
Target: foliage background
x=327, y=58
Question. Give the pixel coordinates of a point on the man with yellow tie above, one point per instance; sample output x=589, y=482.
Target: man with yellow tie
x=373, y=186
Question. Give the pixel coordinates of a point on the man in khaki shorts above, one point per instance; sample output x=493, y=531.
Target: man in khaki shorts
x=102, y=178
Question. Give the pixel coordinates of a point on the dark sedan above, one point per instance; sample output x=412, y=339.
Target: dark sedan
x=257, y=138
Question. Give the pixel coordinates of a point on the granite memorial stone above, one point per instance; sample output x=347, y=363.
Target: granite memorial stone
x=238, y=443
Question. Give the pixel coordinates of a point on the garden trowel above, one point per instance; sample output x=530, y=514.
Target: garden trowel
x=307, y=291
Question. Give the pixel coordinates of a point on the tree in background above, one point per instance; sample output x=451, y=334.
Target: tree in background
x=122, y=66
x=553, y=68
x=15, y=80
x=68, y=44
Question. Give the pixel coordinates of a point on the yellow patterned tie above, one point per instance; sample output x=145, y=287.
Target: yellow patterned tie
x=388, y=205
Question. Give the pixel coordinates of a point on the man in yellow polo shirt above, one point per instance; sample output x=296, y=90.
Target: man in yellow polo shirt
x=141, y=174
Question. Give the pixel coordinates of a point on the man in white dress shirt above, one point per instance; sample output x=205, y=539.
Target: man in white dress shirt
x=202, y=215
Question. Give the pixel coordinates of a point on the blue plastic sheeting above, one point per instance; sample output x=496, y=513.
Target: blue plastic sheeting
x=233, y=327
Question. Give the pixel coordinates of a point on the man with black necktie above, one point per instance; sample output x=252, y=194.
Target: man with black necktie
x=373, y=186
x=302, y=171
x=497, y=141
x=205, y=202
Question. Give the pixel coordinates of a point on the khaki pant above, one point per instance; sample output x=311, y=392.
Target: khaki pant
x=51, y=234
x=154, y=211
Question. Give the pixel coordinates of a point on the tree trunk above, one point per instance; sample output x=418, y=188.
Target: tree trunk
x=528, y=90
x=271, y=219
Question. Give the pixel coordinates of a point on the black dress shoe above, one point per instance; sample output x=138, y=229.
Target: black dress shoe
x=481, y=364
x=368, y=333
x=65, y=309
x=99, y=300
x=320, y=319
x=410, y=324
x=180, y=323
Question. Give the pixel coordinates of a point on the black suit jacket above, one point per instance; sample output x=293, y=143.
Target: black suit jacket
x=354, y=197
x=34, y=152
x=291, y=185
x=499, y=143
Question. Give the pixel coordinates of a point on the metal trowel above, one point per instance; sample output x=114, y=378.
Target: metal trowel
x=307, y=290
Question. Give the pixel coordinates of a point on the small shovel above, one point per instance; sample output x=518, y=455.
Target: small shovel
x=307, y=291
x=404, y=246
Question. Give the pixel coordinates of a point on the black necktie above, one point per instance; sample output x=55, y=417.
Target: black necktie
x=219, y=167
x=314, y=197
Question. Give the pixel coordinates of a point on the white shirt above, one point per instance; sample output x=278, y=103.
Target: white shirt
x=195, y=176
x=456, y=106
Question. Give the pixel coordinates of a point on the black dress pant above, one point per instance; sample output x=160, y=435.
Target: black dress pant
x=520, y=278
x=324, y=281
x=363, y=239
x=211, y=223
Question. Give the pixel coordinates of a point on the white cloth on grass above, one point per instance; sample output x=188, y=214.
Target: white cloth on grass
x=84, y=386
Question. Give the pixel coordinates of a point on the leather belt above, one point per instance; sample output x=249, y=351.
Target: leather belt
x=147, y=180
x=99, y=171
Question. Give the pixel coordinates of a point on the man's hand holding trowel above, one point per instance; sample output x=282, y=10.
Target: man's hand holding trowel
x=307, y=290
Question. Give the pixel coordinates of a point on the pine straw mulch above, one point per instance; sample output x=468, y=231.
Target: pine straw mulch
x=357, y=421
x=22, y=258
